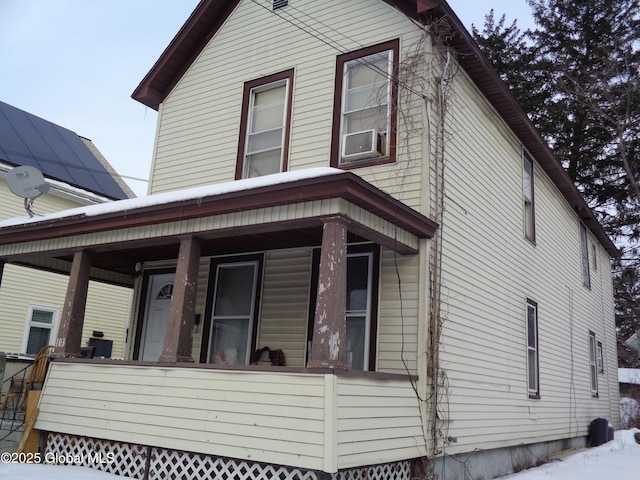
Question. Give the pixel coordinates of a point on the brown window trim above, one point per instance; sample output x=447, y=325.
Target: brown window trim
x=532, y=238
x=536, y=395
x=375, y=287
x=246, y=97
x=334, y=159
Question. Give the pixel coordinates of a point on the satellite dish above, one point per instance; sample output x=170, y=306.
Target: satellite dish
x=27, y=182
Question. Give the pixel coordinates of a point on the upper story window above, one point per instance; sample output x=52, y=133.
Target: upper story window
x=265, y=125
x=364, y=117
x=527, y=189
x=584, y=247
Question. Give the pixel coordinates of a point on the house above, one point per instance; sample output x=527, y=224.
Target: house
x=629, y=379
x=347, y=191
x=32, y=299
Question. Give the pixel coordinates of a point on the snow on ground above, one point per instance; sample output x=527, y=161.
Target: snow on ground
x=616, y=460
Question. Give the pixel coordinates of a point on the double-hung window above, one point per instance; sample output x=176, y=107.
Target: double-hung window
x=584, y=248
x=527, y=189
x=593, y=364
x=264, y=126
x=533, y=374
x=39, y=329
x=365, y=106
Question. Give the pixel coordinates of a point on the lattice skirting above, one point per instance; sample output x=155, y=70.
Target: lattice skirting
x=152, y=463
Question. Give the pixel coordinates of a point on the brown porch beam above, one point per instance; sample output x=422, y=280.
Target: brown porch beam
x=178, y=341
x=70, y=331
x=329, y=344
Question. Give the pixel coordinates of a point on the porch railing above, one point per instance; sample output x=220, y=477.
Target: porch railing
x=318, y=420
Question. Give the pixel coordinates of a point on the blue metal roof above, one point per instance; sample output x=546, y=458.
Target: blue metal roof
x=57, y=152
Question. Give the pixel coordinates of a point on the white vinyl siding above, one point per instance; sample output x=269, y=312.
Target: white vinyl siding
x=487, y=271
x=313, y=421
x=285, y=303
x=106, y=310
x=198, y=140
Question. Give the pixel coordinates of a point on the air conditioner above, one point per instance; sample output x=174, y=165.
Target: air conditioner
x=359, y=145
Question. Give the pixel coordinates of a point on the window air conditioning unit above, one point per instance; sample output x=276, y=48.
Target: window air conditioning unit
x=359, y=145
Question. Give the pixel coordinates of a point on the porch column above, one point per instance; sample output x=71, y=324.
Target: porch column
x=178, y=341
x=2, y=262
x=329, y=344
x=72, y=320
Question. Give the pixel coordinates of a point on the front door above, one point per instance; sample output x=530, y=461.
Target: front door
x=156, y=315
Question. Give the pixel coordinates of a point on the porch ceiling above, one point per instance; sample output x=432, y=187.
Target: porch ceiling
x=285, y=213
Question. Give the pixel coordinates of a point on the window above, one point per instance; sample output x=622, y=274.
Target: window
x=527, y=188
x=39, y=329
x=364, y=122
x=533, y=373
x=265, y=125
x=593, y=364
x=361, y=301
x=594, y=257
x=600, y=357
x=233, y=309
x=586, y=278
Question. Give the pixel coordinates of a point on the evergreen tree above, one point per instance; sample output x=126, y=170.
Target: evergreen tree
x=578, y=76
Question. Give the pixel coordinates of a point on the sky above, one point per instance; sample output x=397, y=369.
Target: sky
x=618, y=459
x=76, y=62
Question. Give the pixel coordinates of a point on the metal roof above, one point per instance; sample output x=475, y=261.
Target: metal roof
x=57, y=152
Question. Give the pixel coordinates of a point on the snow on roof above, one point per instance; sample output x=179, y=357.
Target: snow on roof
x=629, y=375
x=178, y=195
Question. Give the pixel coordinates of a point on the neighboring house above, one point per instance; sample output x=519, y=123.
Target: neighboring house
x=629, y=379
x=374, y=208
x=31, y=301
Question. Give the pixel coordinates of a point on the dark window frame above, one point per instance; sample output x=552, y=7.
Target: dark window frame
x=593, y=364
x=533, y=394
x=208, y=311
x=375, y=289
x=336, y=131
x=287, y=75
x=529, y=203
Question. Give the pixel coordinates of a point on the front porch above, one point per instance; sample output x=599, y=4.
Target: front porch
x=316, y=413
x=317, y=420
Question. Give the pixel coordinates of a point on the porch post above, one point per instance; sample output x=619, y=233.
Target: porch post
x=178, y=341
x=329, y=344
x=70, y=331
x=2, y=262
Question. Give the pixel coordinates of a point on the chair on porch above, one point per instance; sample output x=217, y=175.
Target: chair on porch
x=33, y=380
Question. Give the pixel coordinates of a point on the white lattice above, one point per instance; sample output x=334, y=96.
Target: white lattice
x=191, y=466
x=387, y=471
x=130, y=460
x=119, y=458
